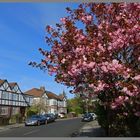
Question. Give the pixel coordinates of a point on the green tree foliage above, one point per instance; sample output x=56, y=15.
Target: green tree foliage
x=31, y=111
x=76, y=105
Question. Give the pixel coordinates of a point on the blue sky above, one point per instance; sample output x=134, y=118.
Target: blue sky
x=22, y=32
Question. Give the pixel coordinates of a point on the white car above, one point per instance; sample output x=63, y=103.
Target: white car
x=94, y=115
x=61, y=115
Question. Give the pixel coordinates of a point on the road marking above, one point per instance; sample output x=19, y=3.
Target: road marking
x=31, y=132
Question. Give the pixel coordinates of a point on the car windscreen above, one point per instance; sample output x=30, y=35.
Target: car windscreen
x=47, y=115
x=87, y=115
x=34, y=117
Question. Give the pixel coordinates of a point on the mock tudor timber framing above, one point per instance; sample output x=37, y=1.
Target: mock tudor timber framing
x=11, y=97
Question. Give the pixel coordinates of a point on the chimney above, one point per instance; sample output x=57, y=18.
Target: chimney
x=42, y=88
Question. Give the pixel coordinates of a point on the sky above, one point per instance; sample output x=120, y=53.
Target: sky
x=22, y=32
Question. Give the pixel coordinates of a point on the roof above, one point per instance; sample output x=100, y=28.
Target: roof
x=12, y=85
x=61, y=96
x=2, y=81
x=35, y=92
x=52, y=95
x=39, y=92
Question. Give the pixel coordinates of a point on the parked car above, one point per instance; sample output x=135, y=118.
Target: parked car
x=53, y=116
x=36, y=120
x=61, y=115
x=56, y=116
x=50, y=117
x=87, y=117
x=94, y=116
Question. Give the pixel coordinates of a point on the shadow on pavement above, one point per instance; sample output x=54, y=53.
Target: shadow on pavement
x=94, y=132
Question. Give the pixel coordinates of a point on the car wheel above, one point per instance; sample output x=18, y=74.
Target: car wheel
x=38, y=123
x=46, y=122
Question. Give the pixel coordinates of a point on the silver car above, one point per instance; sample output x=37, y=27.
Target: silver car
x=36, y=120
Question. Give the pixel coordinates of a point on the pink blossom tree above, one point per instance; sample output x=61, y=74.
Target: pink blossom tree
x=101, y=57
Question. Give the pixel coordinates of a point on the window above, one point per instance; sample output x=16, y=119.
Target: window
x=4, y=111
x=3, y=95
x=54, y=102
x=60, y=103
x=7, y=95
x=51, y=102
x=31, y=100
x=6, y=102
x=14, y=103
x=21, y=97
x=10, y=96
x=15, y=96
x=10, y=102
x=3, y=102
x=0, y=93
x=27, y=99
x=15, y=110
x=48, y=102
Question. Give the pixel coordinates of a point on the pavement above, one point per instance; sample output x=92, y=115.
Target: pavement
x=90, y=129
x=7, y=127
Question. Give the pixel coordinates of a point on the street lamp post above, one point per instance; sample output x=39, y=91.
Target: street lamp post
x=87, y=105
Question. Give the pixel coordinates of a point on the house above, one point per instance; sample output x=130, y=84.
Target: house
x=62, y=104
x=12, y=100
x=54, y=103
x=36, y=96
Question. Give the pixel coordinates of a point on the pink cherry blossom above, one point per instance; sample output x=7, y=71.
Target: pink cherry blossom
x=96, y=54
x=63, y=20
x=137, y=113
x=89, y=18
x=63, y=60
x=104, y=68
x=137, y=78
x=91, y=64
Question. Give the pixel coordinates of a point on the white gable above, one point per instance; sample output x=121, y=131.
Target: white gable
x=1, y=87
x=18, y=90
x=8, y=89
x=15, y=88
x=5, y=85
x=45, y=96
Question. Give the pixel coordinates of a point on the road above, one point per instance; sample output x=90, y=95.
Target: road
x=60, y=128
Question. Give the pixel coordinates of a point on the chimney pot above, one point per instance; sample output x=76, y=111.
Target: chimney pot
x=42, y=88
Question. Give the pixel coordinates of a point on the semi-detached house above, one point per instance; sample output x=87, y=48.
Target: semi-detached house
x=12, y=101
x=54, y=103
